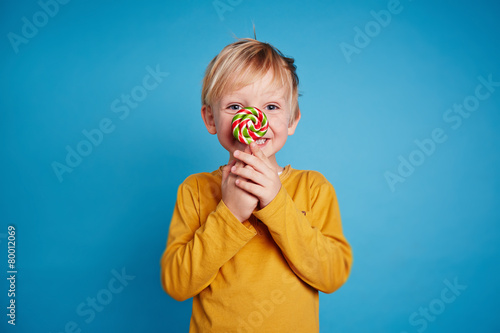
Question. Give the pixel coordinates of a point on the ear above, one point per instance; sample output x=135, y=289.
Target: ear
x=293, y=126
x=208, y=118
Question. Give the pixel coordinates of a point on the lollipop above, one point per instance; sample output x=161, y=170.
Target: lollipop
x=249, y=124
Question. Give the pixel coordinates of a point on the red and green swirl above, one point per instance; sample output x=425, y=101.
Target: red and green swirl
x=249, y=124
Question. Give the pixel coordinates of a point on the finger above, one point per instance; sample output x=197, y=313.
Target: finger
x=238, y=164
x=257, y=152
x=226, y=169
x=248, y=150
x=251, y=160
x=247, y=172
x=225, y=173
x=250, y=187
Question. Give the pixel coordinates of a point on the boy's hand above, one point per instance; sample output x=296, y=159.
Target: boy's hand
x=257, y=175
x=240, y=202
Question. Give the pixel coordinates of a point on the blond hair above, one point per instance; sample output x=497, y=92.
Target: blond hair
x=244, y=62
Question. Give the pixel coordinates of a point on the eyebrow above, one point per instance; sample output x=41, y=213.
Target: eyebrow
x=270, y=95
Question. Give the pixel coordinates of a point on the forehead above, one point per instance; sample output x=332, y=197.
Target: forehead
x=269, y=85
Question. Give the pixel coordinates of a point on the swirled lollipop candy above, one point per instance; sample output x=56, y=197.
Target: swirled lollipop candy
x=249, y=124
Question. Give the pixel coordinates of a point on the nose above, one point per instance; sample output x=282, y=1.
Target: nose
x=249, y=124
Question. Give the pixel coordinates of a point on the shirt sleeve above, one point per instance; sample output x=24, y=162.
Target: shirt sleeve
x=197, y=249
x=313, y=243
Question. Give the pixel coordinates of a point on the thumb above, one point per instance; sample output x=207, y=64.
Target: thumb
x=248, y=150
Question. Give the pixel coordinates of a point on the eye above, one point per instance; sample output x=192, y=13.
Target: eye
x=272, y=107
x=234, y=107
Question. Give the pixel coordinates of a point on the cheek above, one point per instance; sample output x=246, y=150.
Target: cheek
x=223, y=123
x=224, y=128
x=278, y=123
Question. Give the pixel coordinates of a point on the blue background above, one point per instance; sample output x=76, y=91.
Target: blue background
x=360, y=115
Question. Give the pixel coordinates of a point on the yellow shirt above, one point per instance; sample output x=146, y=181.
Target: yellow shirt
x=262, y=275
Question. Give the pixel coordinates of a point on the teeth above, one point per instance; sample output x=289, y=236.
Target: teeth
x=260, y=141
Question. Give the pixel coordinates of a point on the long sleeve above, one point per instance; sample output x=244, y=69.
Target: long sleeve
x=197, y=247
x=311, y=237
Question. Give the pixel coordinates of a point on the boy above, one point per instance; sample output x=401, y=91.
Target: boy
x=253, y=242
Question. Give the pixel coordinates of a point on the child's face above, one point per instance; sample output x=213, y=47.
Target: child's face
x=273, y=102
